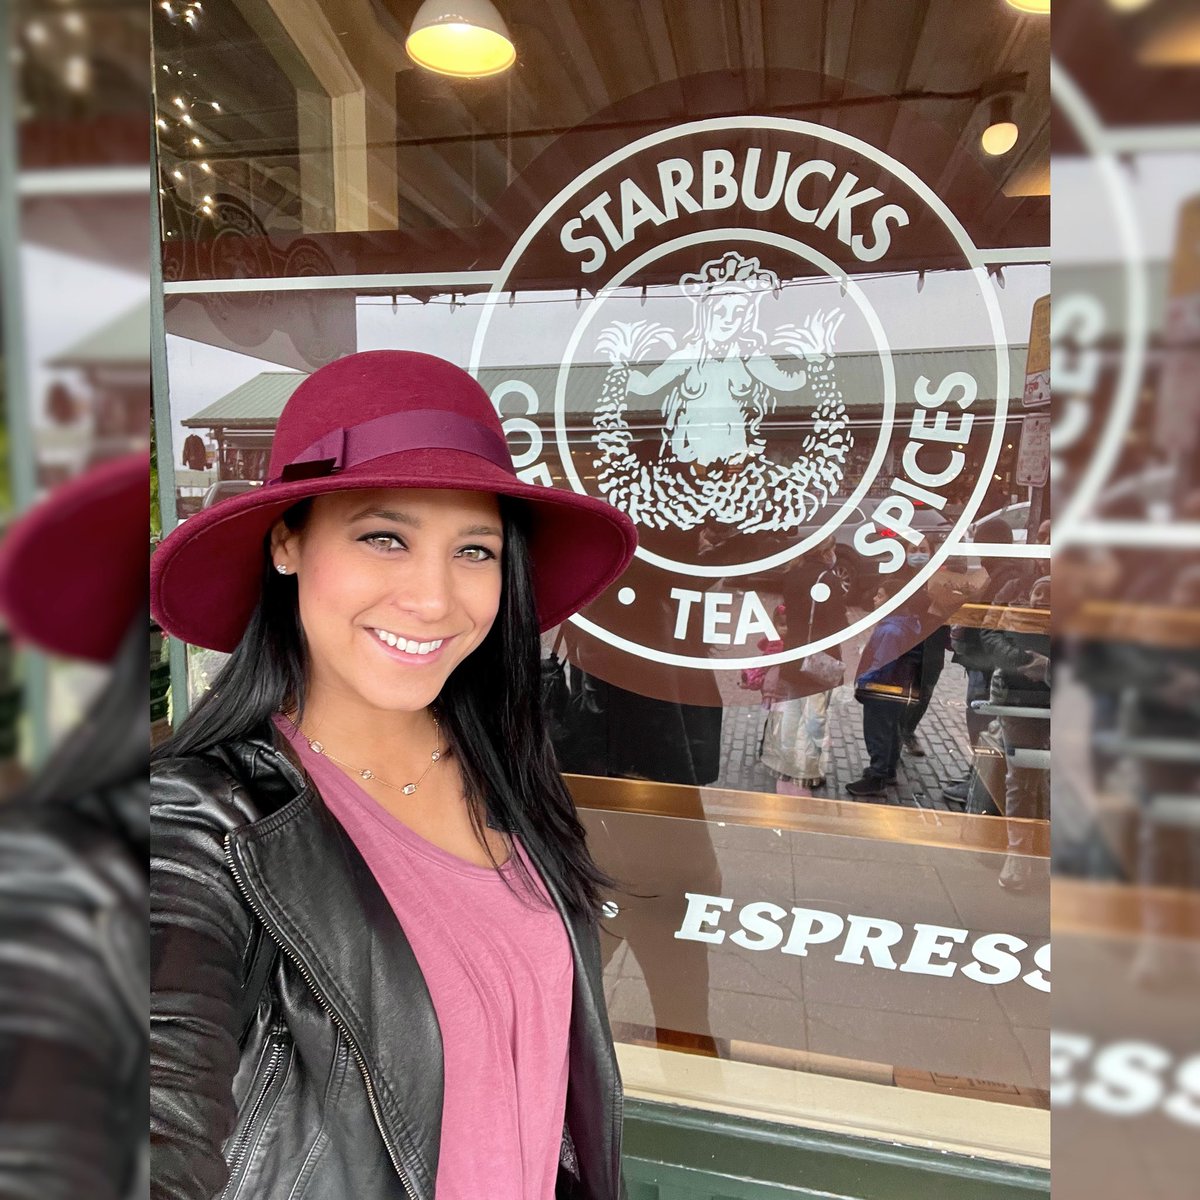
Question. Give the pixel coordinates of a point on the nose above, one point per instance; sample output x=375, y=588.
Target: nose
x=423, y=588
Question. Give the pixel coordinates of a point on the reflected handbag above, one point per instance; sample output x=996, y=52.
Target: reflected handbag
x=817, y=672
x=898, y=681
x=824, y=670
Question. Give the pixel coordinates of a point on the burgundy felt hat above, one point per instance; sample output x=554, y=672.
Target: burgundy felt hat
x=73, y=568
x=379, y=419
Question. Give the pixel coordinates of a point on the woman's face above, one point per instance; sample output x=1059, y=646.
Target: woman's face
x=396, y=588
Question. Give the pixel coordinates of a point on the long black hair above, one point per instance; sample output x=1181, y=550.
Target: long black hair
x=99, y=768
x=490, y=708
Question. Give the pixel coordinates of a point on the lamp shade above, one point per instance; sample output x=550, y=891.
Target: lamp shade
x=465, y=38
x=1030, y=6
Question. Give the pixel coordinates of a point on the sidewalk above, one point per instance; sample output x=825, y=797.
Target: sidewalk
x=942, y=733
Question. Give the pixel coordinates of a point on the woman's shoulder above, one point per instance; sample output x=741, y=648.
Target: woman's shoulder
x=232, y=783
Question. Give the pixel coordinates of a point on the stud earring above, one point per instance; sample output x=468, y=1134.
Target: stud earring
x=281, y=568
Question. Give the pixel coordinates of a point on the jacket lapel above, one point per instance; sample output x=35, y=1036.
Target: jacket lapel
x=307, y=877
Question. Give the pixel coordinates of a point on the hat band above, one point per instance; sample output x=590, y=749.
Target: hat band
x=419, y=429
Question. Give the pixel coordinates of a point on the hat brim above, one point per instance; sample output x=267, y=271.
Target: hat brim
x=72, y=569
x=206, y=576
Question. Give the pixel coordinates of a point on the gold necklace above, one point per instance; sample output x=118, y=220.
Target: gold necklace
x=366, y=773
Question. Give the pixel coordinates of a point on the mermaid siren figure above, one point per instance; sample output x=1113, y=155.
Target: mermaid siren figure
x=716, y=389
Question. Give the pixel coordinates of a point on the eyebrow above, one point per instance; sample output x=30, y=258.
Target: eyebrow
x=402, y=518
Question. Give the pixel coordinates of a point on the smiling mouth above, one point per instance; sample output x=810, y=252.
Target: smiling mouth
x=409, y=646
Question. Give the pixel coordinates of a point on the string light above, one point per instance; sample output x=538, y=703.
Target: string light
x=161, y=123
x=178, y=102
x=177, y=173
x=206, y=168
x=197, y=142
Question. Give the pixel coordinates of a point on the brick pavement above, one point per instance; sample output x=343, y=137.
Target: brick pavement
x=942, y=732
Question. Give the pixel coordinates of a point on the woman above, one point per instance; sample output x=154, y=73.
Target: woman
x=814, y=599
x=375, y=968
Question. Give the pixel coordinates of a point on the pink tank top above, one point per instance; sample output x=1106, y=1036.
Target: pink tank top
x=498, y=966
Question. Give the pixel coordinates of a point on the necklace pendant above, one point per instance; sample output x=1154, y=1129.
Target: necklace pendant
x=367, y=773
x=409, y=788
x=436, y=755
x=316, y=747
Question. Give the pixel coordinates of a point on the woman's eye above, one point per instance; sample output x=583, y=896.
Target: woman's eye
x=382, y=541
x=477, y=553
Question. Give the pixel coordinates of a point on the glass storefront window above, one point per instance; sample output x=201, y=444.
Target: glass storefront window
x=747, y=273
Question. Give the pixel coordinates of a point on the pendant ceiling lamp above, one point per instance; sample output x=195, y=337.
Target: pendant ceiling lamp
x=464, y=38
x=1001, y=133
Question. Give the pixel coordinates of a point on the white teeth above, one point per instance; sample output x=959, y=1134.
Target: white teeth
x=408, y=647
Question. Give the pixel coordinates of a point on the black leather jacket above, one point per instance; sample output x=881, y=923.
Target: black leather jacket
x=73, y=970
x=338, y=1081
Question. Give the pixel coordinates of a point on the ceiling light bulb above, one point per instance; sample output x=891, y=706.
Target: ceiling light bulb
x=999, y=138
x=1001, y=133
x=465, y=38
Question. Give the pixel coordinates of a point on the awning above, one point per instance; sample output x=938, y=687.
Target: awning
x=122, y=342
x=257, y=403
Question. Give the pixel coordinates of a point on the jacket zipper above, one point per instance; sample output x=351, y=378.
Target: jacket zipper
x=308, y=979
x=242, y=1145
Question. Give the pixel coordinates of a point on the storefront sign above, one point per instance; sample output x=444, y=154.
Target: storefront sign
x=1033, y=454
x=1125, y=1046
x=749, y=409
x=876, y=950
x=1037, y=364
x=760, y=925
x=1178, y=409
